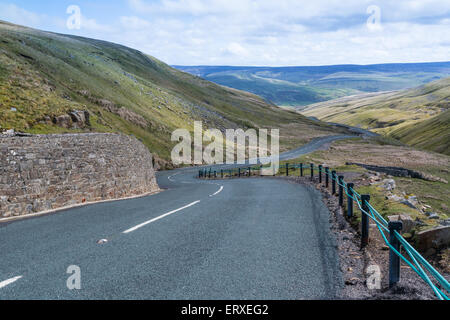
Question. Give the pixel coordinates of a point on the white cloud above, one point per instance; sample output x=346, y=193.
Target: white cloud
x=292, y=32
x=134, y=22
x=14, y=14
x=269, y=32
x=236, y=49
x=93, y=26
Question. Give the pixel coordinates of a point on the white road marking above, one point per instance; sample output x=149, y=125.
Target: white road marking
x=170, y=178
x=160, y=217
x=9, y=281
x=220, y=190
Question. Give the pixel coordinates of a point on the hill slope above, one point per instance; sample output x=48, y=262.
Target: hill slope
x=58, y=83
x=299, y=86
x=418, y=117
x=432, y=134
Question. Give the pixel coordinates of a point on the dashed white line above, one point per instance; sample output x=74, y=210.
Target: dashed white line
x=219, y=191
x=9, y=281
x=160, y=217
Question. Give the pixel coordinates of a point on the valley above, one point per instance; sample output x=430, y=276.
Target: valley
x=301, y=86
x=49, y=82
x=418, y=117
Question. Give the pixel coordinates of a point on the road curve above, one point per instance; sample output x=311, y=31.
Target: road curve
x=233, y=239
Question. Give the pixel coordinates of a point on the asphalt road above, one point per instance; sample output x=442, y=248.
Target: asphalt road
x=233, y=239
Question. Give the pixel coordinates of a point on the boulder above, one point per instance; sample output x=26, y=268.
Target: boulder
x=80, y=119
x=411, y=202
x=389, y=184
x=408, y=222
x=436, y=238
x=64, y=121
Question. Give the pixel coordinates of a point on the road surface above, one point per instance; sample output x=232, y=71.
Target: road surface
x=233, y=239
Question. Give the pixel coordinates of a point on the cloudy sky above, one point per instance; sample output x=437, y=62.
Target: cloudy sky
x=254, y=32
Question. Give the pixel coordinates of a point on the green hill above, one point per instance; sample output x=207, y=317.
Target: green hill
x=418, y=117
x=46, y=76
x=432, y=134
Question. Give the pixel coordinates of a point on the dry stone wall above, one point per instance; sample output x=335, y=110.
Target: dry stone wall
x=45, y=172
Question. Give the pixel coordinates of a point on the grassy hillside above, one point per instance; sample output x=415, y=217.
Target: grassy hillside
x=44, y=76
x=300, y=86
x=432, y=134
x=417, y=117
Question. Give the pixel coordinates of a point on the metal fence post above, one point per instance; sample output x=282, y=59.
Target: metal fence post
x=320, y=173
x=394, y=259
x=327, y=177
x=249, y=172
x=239, y=172
x=215, y=174
x=221, y=173
x=365, y=198
x=287, y=169
x=333, y=182
x=341, y=191
x=312, y=171
x=209, y=175
x=350, y=187
x=301, y=169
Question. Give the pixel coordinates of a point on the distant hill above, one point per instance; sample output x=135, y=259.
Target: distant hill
x=300, y=86
x=52, y=83
x=418, y=117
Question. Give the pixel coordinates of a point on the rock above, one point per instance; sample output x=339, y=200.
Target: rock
x=436, y=238
x=10, y=132
x=408, y=222
x=64, y=121
x=102, y=241
x=13, y=109
x=80, y=119
x=389, y=184
x=434, y=216
x=410, y=202
x=396, y=198
x=445, y=222
x=420, y=222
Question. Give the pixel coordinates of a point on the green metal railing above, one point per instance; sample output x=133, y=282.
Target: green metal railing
x=395, y=242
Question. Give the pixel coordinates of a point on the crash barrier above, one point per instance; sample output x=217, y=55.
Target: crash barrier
x=390, y=231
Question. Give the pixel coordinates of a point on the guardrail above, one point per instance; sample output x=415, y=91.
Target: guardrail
x=387, y=229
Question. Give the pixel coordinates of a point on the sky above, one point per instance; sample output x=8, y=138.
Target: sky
x=253, y=32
